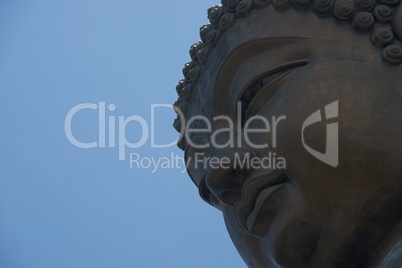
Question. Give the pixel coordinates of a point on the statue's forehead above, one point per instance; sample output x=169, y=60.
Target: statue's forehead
x=263, y=30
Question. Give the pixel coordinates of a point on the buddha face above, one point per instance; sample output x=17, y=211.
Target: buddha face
x=297, y=209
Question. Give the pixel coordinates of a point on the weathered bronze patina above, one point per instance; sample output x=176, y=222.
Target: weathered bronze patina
x=337, y=62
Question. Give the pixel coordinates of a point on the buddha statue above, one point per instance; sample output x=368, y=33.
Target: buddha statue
x=316, y=85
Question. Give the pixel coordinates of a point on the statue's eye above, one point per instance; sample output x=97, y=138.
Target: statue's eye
x=260, y=91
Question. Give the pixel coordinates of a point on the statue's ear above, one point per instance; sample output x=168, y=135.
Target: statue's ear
x=397, y=23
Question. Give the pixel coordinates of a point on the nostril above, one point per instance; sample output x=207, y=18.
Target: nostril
x=238, y=172
x=231, y=194
x=241, y=172
x=230, y=197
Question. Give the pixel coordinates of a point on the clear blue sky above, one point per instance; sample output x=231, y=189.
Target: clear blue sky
x=63, y=206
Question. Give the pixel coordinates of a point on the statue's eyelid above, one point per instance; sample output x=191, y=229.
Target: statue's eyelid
x=263, y=88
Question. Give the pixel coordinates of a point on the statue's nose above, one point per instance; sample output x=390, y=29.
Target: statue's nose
x=226, y=174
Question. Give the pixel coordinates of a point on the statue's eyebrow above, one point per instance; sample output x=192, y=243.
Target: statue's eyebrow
x=238, y=59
